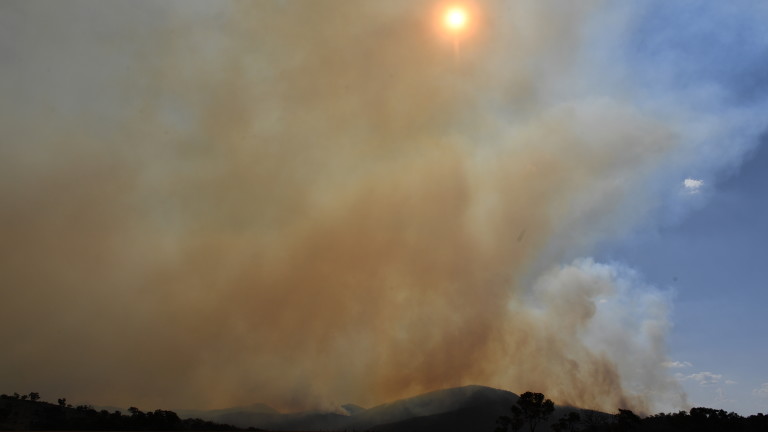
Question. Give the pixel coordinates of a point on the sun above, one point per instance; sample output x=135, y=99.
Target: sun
x=457, y=23
x=455, y=18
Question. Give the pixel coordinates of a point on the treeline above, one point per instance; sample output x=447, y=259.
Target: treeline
x=697, y=420
x=532, y=411
x=704, y=420
x=26, y=412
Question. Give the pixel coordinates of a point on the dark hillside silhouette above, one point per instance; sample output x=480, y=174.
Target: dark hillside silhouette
x=532, y=411
x=463, y=409
x=18, y=412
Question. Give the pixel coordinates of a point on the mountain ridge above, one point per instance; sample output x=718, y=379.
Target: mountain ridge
x=476, y=403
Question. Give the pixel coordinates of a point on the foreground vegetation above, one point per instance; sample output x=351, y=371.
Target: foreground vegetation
x=532, y=411
x=27, y=412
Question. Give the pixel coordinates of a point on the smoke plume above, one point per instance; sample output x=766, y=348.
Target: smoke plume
x=310, y=203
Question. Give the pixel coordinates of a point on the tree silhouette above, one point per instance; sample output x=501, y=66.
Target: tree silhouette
x=507, y=423
x=17, y=413
x=530, y=408
x=567, y=423
x=627, y=420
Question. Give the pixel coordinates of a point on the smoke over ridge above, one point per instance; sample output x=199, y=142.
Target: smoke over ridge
x=312, y=203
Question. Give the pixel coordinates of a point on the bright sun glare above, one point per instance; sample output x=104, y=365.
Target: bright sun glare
x=455, y=18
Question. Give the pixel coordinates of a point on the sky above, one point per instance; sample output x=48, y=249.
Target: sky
x=713, y=262
x=206, y=204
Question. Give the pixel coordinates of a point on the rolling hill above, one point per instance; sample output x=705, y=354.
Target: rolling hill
x=460, y=409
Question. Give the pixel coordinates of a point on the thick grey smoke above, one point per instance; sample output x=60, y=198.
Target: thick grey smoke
x=309, y=203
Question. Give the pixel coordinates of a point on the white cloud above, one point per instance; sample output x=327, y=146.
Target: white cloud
x=722, y=397
x=762, y=391
x=677, y=364
x=692, y=185
x=730, y=382
x=703, y=378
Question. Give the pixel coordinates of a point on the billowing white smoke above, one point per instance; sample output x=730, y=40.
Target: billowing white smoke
x=610, y=311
